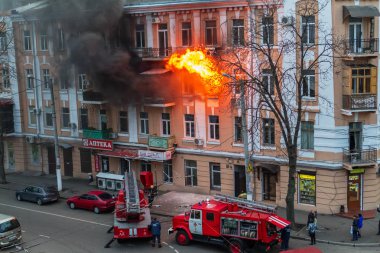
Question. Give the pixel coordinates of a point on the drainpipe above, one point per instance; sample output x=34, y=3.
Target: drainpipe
x=35, y=77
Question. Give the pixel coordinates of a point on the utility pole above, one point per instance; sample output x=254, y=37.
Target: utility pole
x=249, y=184
x=56, y=146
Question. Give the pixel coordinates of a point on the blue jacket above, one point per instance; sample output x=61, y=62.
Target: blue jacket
x=360, y=222
x=155, y=227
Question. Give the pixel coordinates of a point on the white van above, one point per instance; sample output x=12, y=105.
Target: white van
x=10, y=231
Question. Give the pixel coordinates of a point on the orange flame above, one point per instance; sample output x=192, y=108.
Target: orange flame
x=197, y=61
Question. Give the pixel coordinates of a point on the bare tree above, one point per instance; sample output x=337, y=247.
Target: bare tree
x=282, y=64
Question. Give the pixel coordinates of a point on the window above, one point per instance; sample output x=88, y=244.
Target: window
x=210, y=216
x=165, y=124
x=123, y=121
x=144, y=123
x=64, y=83
x=361, y=80
x=238, y=130
x=3, y=41
x=308, y=29
x=268, y=131
x=46, y=78
x=215, y=178
x=211, y=39
x=29, y=78
x=186, y=34
x=168, y=172
x=82, y=82
x=214, y=127
x=65, y=117
x=32, y=116
x=48, y=116
x=308, y=83
x=140, y=36
x=268, y=82
x=85, y=161
x=61, y=39
x=189, y=125
x=83, y=122
x=5, y=77
x=191, y=173
x=146, y=166
x=103, y=119
x=307, y=135
x=238, y=32
x=268, y=30
x=44, y=40
x=306, y=189
x=27, y=40
x=35, y=158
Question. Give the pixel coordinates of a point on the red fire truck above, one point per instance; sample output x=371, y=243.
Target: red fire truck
x=235, y=223
x=132, y=214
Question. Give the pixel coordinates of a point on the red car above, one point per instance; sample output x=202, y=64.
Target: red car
x=97, y=201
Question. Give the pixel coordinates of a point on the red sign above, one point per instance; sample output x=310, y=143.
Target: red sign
x=97, y=166
x=97, y=144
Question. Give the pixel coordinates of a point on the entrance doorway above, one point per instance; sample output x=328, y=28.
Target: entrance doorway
x=354, y=191
x=51, y=160
x=68, y=161
x=239, y=178
x=269, y=185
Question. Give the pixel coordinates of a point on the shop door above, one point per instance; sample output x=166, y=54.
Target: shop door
x=51, y=160
x=240, y=185
x=195, y=222
x=269, y=186
x=68, y=162
x=354, y=192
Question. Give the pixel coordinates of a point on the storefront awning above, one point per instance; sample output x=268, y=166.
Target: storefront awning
x=278, y=221
x=121, y=153
x=360, y=11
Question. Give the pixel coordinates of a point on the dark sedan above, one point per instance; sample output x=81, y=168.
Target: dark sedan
x=96, y=201
x=39, y=194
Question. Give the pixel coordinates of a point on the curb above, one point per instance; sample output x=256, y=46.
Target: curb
x=337, y=243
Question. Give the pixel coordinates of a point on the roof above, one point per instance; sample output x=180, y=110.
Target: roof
x=169, y=2
x=210, y=205
x=5, y=217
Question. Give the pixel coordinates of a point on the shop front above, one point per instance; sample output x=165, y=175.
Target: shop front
x=355, y=189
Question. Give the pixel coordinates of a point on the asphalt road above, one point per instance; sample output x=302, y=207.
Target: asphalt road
x=54, y=228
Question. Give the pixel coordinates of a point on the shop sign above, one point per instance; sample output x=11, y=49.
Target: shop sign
x=154, y=156
x=98, y=144
x=357, y=171
x=97, y=167
x=307, y=189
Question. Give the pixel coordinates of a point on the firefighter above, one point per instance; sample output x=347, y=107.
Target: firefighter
x=155, y=228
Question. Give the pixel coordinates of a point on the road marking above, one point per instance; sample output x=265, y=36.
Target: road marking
x=45, y=236
x=57, y=215
x=167, y=244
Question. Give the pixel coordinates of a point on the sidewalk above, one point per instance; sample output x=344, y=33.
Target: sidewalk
x=331, y=229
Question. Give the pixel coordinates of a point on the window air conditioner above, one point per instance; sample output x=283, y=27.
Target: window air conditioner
x=156, y=20
x=199, y=142
x=287, y=20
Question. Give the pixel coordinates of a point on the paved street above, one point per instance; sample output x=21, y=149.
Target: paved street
x=56, y=228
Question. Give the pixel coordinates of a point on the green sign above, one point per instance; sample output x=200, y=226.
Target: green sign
x=357, y=171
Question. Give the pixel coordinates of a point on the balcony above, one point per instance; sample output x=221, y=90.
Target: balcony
x=96, y=134
x=360, y=157
x=93, y=97
x=360, y=102
x=362, y=47
x=155, y=53
x=159, y=142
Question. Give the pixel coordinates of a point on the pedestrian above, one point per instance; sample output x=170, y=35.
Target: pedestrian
x=360, y=224
x=378, y=231
x=285, y=236
x=155, y=227
x=310, y=218
x=312, y=229
x=354, y=228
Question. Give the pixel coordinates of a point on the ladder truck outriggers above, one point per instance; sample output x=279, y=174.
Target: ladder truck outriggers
x=132, y=213
x=235, y=223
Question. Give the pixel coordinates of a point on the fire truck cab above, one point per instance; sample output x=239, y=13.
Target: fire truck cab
x=232, y=222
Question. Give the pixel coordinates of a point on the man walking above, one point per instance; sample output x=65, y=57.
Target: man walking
x=310, y=218
x=360, y=224
x=312, y=229
x=355, y=228
x=155, y=228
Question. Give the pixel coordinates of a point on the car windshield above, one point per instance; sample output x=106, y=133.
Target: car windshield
x=9, y=225
x=50, y=189
x=105, y=196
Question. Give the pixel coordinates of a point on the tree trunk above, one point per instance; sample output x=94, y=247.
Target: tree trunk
x=3, y=179
x=291, y=184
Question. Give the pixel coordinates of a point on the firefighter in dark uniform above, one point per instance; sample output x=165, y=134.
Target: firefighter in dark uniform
x=155, y=228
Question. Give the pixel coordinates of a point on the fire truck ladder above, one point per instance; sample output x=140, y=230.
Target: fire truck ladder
x=132, y=193
x=248, y=204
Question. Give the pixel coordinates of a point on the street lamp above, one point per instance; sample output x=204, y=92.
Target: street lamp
x=249, y=186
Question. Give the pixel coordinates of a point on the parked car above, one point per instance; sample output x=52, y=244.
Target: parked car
x=10, y=231
x=40, y=194
x=97, y=201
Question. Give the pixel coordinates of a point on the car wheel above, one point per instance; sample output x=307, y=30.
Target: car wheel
x=182, y=238
x=39, y=202
x=72, y=205
x=236, y=245
x=18, y=197
x=96, y=210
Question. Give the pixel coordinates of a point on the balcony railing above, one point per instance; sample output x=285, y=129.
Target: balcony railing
x=362, y=46
x=358, y=157
x=161, y=142
x=153, y=52
x=96, y=134
x=360, y=102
